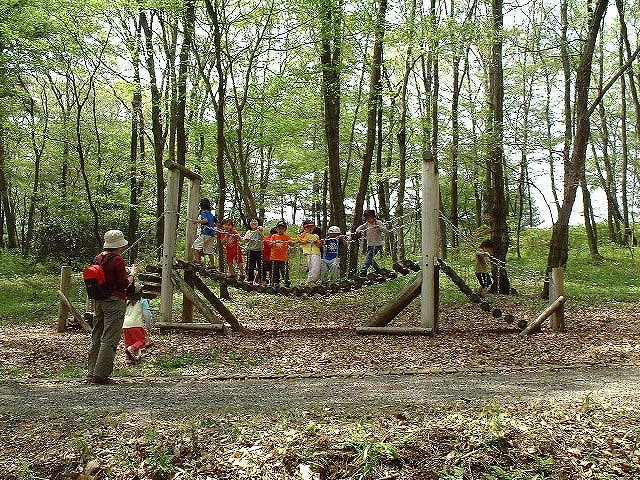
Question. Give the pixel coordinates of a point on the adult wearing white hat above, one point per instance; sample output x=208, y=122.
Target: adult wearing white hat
x=109, y=311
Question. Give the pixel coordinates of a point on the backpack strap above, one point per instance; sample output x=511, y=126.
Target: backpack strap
x=106, y=259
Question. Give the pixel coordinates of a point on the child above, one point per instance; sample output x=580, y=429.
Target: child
x=331, y=257
x=483, y=268
x=280, y=243
x=255, y=244
x=230, y=238
x=373, y=230
x=266, y=257
x=136, y=316
x=311, y=244
x=205, y=241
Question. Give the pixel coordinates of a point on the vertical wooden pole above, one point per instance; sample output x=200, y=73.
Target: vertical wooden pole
x=429, y=241
x=65, y=288
x=191, y=231
x=557, y=280
x=169, y=244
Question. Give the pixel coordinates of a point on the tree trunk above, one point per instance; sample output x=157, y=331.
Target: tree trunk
x=156, y=126
x=7, y=205
x=497, y=201
x=136, y=150
x=375, y=86
x=331, y=18
x=573, y=170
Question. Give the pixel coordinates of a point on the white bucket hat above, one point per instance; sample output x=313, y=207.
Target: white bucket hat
x=334, y=229
x=114, y=239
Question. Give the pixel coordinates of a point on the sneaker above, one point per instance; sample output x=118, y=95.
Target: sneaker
x=131, y=354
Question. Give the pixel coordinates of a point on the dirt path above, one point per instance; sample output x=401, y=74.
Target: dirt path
x=164, y=394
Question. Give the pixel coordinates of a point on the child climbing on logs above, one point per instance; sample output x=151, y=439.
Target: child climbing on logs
x=483, y=266
x=204, y=242
x=374, y=231
x=311, y=249
x=330, y=265
x=280, y=243
x=230, y=238
x=136, y=317
x=266, y=258
x=255, y=246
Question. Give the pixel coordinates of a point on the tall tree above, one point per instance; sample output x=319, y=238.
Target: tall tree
x=331, y=21
x=574, y=169
x=498, y=206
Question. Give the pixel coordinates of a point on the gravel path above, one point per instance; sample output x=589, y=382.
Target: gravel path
x=164, y=394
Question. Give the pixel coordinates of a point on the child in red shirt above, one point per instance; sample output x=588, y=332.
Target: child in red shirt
x=230, y=238
x=279, y=255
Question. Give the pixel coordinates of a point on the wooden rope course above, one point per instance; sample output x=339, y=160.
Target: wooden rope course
x=485, y=304
x=152, y=281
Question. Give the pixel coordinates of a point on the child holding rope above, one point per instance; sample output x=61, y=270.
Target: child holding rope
x=311, y=244
x=254, y=237
x=230, y=238
x=204, y=242
x=280, y=243
x=330, y=265
x=374, y=231
x=483, y=266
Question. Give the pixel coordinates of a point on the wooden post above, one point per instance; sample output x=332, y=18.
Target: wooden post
x=65, y=288
x=429, y=241
x=191, y=231
x=557, y=278
x=169, y=244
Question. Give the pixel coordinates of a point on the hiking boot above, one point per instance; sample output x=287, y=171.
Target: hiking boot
x=102, y=380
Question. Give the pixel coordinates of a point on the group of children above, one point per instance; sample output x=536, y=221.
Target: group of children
x=268, y=253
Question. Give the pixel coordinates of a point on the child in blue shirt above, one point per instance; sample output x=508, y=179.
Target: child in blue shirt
x=204, y=244
x=331, y=254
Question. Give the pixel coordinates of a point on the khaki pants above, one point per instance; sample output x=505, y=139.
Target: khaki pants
x=107, y=330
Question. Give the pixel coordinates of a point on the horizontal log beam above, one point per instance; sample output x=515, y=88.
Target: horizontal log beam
x=393, y=331
x=183, y=170
x=200, y=327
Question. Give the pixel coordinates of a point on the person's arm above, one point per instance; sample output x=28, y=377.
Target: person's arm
x=382, y=226
x=361, y=228
x=123, y=277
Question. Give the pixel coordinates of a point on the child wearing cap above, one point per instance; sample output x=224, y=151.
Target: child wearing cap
x=331, y=254
x=311, y=244
x=204, y=242
x=279, y=255
x=137, y=315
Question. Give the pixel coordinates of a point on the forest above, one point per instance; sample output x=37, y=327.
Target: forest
x=316, y=109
